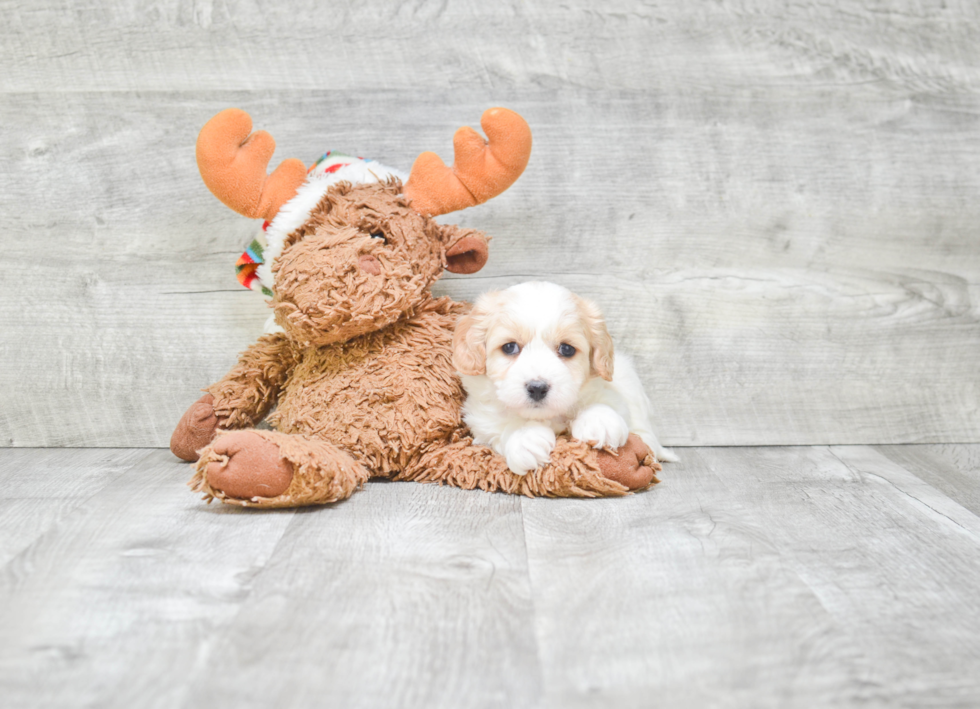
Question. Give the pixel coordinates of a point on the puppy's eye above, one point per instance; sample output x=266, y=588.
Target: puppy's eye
x=511, y=348
x=379, y=235
x=566, y=350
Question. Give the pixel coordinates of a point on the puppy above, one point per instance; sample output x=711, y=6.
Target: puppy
x=536, y=360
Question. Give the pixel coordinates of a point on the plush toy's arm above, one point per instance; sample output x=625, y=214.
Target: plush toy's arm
x=576, y=470
x=245, y=395
x=242, y=398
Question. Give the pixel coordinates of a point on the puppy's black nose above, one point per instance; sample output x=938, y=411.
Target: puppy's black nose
x=537, y=389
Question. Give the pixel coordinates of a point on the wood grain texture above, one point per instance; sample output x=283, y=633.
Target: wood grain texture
x=750, y=577
x=431, y=45
x=776, y=205
x=407, y=595
x=41, y=487
x=125, y=590
x=760, y=577
x=952, y=469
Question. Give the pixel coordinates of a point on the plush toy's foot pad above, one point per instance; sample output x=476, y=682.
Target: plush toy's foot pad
x=247, y=466
x=195, y=429
x=270, y=469
x=633, y=465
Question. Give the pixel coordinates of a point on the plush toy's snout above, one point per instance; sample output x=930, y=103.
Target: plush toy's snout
x=369, y=264
x=360, y=263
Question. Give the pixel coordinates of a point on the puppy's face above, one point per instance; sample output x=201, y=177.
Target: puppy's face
x=538, y=343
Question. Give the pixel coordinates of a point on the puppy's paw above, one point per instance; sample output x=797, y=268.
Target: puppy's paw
x=600, y=426
x=528, y=448
x=665, y=455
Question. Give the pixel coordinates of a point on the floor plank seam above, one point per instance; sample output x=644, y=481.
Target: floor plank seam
x=861, y=474
x=535, y=619
x=80, y=503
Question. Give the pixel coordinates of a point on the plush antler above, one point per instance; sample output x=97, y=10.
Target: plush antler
x=481, y=170
x=233, y=165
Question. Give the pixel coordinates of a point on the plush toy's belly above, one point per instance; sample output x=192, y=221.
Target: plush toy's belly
x=381, y=397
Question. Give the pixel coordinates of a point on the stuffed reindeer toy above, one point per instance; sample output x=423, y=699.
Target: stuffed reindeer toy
x=358, y=363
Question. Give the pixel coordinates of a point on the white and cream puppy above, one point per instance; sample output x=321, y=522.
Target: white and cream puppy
x=536, y=360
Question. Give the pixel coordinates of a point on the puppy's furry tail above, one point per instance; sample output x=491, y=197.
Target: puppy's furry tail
x=627, y=381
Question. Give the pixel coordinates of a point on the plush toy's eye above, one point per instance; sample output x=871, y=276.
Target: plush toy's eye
x=566, y=350
x=379, y=235
x=511, y=348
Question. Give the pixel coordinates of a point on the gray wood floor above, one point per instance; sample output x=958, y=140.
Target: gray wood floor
x=751, y=577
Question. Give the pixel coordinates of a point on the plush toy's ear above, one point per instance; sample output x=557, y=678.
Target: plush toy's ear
x=467, y=255
x=600, y=343
x=469, y=343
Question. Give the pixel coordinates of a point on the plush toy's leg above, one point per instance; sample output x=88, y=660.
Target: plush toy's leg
x=256, y=468
x=575, y=470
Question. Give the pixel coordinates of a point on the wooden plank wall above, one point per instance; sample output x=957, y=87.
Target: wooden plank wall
x=777, y=204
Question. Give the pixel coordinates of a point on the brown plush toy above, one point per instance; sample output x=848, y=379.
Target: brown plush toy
x=359, y=361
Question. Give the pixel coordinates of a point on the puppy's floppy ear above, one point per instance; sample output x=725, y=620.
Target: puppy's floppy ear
x=600, y=343
x=470, y=341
